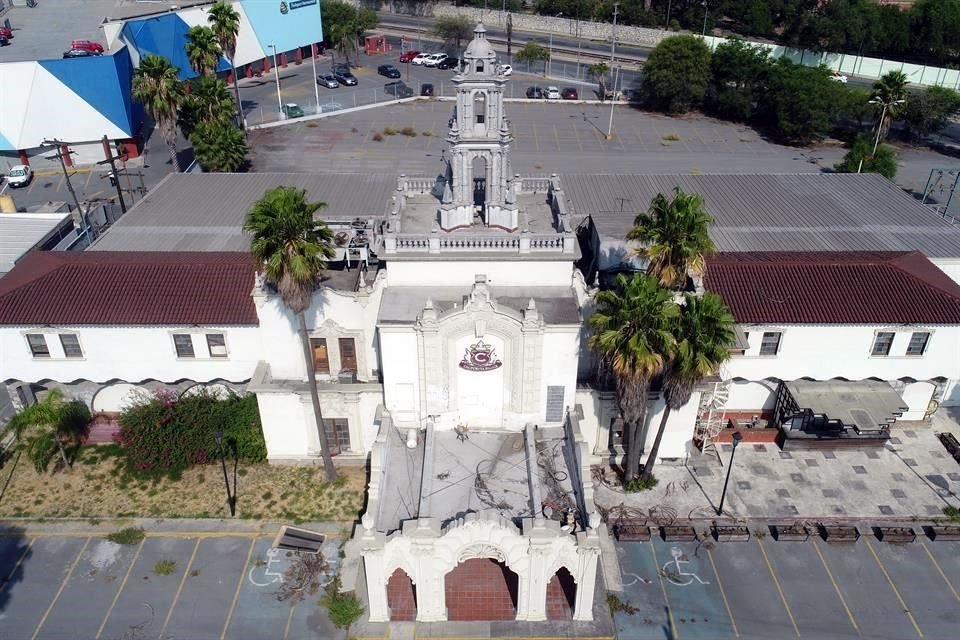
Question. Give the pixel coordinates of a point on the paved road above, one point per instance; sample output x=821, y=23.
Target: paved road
x=767, y=590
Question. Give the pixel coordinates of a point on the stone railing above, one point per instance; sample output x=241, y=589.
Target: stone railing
x=523, y=243
x=534, y=185
x=416, y=185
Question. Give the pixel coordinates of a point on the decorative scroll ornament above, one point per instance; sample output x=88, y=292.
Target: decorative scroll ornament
x=481, y=551
x=480, y=357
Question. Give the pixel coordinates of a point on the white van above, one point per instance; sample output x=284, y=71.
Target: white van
x=434, y=59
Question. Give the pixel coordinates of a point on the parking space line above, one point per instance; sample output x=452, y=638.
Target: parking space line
x=286, y=629
x=63, y=584
x=123, y=583
x=836, y=587
x=176, y=596
x=673, y=627
x=723, y=594
x=86, y=185
x=776, y=583
x=9, y=579
x=939, y=569
x=896, y=592
x=236, y=594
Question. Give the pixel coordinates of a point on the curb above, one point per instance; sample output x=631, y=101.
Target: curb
x=320, y=116
x=158, y=526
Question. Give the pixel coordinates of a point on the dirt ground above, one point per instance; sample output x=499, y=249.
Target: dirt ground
x=97, y=487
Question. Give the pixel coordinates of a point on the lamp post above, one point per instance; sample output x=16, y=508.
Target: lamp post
x=613, y=102
x=316, y=80
x=705, y=9
x=231, y=497
x=883, y=115
x=549, y=63
x=737, y=437
x=276, y=69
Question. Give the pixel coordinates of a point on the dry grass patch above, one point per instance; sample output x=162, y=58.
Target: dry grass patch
x=98, y=487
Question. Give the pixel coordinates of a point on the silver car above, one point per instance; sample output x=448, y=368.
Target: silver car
x=328, y=81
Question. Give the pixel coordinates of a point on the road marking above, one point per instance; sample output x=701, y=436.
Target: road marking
x=286, y=629
x=666, y=598
x=939, y=569
x=20, y=560
x=176, y=596
x=86, y=185
x=723, y=594
x=63, y=584
x=120, y=590
x=776, y=583
x=836, y=587
x=674, y=575
x=236, y=594
x=886, y=575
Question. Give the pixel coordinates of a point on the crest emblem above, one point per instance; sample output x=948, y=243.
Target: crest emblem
x=283, y=7
x=480, y=357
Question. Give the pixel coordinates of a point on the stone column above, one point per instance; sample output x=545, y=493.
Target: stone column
x=376, y=577
x=588, y=553
x=532, y=592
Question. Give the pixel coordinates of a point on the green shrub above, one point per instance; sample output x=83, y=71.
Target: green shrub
x=163, y=435
x=410, y=132
x=343, y=608
x=952, y=513
x=640, y=484
x=389, y=131
x=377, y=137
x=130, y=535
x=164, y=567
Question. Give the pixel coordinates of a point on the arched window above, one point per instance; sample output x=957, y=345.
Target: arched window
x=479, y=66
x=480, y=108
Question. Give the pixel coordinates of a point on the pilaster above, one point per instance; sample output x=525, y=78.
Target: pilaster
x=588, y=553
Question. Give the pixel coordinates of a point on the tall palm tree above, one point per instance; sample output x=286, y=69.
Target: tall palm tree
x=703, y=334
x=888, y=90
x=211, y=100
x=292, y=249
x=344, y=38
x=203, y=50
x=674, y=237
x=632, y=332
x=42, y=428
x=157, y=86
x=225, y=23
x=599, y=70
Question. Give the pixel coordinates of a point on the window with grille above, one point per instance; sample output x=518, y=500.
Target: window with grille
x=554, y=404
x=918, y=343
x=348, y=354
x=183, y=343
x=71, y=345
x=38, y=345
x=217, y=345
x=616, y=434
x=338, y=434
x=321, y=360
x=770, y=344
x=882, y=343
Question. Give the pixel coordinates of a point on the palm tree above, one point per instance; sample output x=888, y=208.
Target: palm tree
x=292, y=249
x=599, y=70
x=211, y=100
x=219, y=147
x=703, y=334
x=225, y=23
x=889, y=91
x=157, y=86
x=42, y=428
x=632, y=332
x=203, y=50
x=674, y=237
x=344, y=38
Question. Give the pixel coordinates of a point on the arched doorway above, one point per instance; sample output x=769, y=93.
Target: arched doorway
x=481, y=589
x=479, y=173
x=401, y=597
x=561, y=595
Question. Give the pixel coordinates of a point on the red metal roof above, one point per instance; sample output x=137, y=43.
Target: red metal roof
x=834, y=288
x=129, y=288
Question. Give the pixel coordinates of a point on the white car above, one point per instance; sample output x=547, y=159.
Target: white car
x=20, y=176
x=420, y=57
x=434, y=59
x=506, y=69
x=553, y=93
x=836, y=76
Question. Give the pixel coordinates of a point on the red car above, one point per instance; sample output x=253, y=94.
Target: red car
x=569, y=93
x=6, y=32
x=87, y=45
x=409, y=55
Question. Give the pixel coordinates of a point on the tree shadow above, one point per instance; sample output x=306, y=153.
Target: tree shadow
x=14, y=552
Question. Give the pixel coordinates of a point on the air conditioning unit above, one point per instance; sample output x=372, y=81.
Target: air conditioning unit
x=347, y=376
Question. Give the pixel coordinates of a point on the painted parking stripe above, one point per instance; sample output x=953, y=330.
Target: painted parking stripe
x=883, y=569
x=939, y=569
x=123, y=583
x=63, y=584
x=258, y=612
x=236, y=593
x=176, y=595
x=8, y=578
x=776, y=583
x=723, y=594
x=663, y=589
x=643, y=592
x=696, y=606
x=836, y=587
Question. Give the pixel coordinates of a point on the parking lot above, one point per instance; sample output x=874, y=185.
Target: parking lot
x=764, y=589
x=220, y=587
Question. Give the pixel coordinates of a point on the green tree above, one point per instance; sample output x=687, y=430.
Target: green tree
x=889, y=97
x=42, y=429
x=225, y=23
x=452, y=29
x=203, y=50
x=157, y=87
x=632, y=332
x=600, y=70
x=702, y=336
x=759, y=22
x=532, y=53
x=292, y=249
x=800, y=102
x=737, y=71
x=884, y=161
x=927, y=113
x=676, y=74
x=219, y=147
x=208, y=102
x=674, y=238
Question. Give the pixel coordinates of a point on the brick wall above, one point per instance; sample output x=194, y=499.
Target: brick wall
x=481, y=589
x=561, y=596
x=401, y=597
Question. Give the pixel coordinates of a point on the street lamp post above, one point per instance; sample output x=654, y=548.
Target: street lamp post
x=705, y=9
x=737, y=437
x=883, y=115
x=549, y=64
x=276, y=69
x=613, y=102
x=316, y=83
x=231, y=497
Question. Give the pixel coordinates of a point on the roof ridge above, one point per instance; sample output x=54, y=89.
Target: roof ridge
x=945, y=284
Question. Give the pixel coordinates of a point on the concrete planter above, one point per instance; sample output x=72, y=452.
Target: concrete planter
x=789, y=533
x=895, y=535
x=632, y=532
x=944, y=532
x=839, y=533
x=730, y=533
x=678, y=533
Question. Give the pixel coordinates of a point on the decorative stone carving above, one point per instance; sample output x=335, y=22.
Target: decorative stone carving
x=481, y=551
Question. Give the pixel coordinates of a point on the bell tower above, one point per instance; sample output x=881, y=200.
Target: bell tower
x=480, y=189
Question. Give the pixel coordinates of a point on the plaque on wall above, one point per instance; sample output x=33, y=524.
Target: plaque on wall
x=480, y=356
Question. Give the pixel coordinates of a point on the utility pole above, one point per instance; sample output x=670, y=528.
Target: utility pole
x=613, y=40
x=613, y=102
x=114, y=177
x=63, y=165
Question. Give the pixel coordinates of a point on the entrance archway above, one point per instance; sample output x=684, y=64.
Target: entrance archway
x=481, y=589
x=479, y=170
x=401, y=597
x=561, y=595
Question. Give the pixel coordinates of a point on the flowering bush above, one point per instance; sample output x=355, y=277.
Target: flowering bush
x=163, y=434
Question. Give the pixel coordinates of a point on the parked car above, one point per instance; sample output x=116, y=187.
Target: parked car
x=344, y=77
x=409, y=56
x=398, y=89
x=77, y=53
x=434, y=59
x=506, y=69
x=292, y=110
x=419, y=58
x=87, y=45
x=836, y=76
x=449, y=63
x=20, y=176
x=6, y=32
x=388, y=70
x=426, y=89
x=535, y=93
x=328, y=81
x=553, y=93
x=569, y=93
